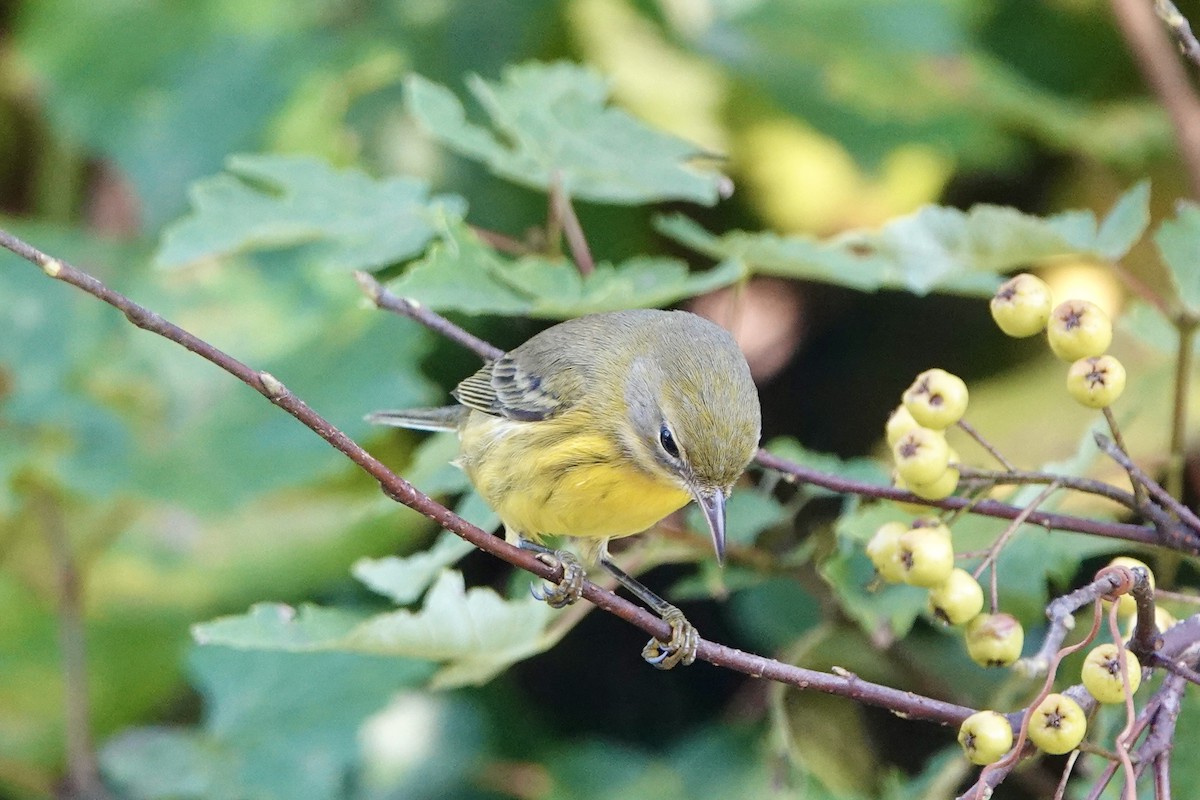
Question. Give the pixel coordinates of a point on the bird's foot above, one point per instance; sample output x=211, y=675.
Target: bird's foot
x=681, y=649
x=570, y=588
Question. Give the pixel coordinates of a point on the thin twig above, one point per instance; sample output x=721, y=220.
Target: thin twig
x=1002, y=539
x=382, y=298
x=1068, y=768
x=1139, y=477
x=1162, y=776
x=1061, y=613
x=1175, y=668
x=1161, y=737
x=1123, y=739
x=1029, y=478
x=1139, y=490
x=1140, y=288
x=502, y=243
x=1166, y=77
x=83, y=771
x=985, y=444
x=846, y=685
x=1178, y=25
x=1170, y=537
x=563, y=211
x=1177, y=458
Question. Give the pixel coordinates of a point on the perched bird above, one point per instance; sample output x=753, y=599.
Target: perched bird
x=599, y=427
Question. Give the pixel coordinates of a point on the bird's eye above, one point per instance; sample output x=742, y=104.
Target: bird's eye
x=668, y=442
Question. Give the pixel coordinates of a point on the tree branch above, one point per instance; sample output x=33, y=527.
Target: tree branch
x=847, y=685
x=1174, y=537
x=1166, y=77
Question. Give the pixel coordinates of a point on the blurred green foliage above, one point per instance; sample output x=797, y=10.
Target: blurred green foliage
x=227, y=164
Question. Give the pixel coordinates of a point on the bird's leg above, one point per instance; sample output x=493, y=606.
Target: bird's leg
x=685, y=640
x=566, y=591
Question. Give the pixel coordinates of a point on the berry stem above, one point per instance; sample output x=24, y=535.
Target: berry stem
x=1176, y=459
x=1002, y=539
x=1068, y=768
x=1139, y=488
x=985, y=444
x=1123, y=738
x=563, y=219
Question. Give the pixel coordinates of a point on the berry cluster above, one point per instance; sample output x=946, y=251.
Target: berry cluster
x=1057, y=723
x=1076, y=330
x=921, y=553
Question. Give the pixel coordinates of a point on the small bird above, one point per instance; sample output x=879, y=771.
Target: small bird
x=597, y=428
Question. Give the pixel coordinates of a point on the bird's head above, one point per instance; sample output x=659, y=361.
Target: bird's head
x=695, y=413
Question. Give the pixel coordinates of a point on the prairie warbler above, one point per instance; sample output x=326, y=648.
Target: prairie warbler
x=599, y=427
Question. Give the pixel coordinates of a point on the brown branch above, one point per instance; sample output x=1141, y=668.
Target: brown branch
x=1166, y=77
x=851, y=686
x=562, y=212
x=1061, y=613
x=1182, y=31
x=1139, y=477
x=382, y=298
x=990, y=508
x=1029, y=478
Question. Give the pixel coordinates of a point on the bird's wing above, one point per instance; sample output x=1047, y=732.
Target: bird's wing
x=505, y=388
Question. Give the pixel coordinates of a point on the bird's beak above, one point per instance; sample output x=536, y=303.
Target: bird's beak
x=712, y=503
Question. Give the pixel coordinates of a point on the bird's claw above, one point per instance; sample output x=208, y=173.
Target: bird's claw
x=681, y=649
x=570, y=588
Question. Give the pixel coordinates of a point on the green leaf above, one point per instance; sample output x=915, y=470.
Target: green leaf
x=876, y=607
x=551, y=120
x=474, y=634
x=1125, y=223
x=775, y=613
x=277, y=725
x=1178, y=242
x=355, y=362
x=345, y=219
x=405, y=579
x=461, y=273
x=165, y=109
x=935, y=248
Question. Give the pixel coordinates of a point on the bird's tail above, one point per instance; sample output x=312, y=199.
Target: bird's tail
x=445, y=418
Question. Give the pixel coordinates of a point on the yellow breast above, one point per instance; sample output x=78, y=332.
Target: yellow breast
x=558, y=477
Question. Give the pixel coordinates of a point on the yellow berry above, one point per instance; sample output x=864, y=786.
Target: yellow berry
x=1057, y=725
x=884, y=551
x=1096, y=382
x=994, y=640
x=926, y=553
x=985, y=736
x=937, y=399
x=899, y=423
x=958, y=600
x=1021, y=306
x=1078, y=329
x=938, y=489
x=1101, y=673
x=921, y=456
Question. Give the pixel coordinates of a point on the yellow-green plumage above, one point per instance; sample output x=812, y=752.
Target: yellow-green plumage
x=563, y=435
x=599, y=427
